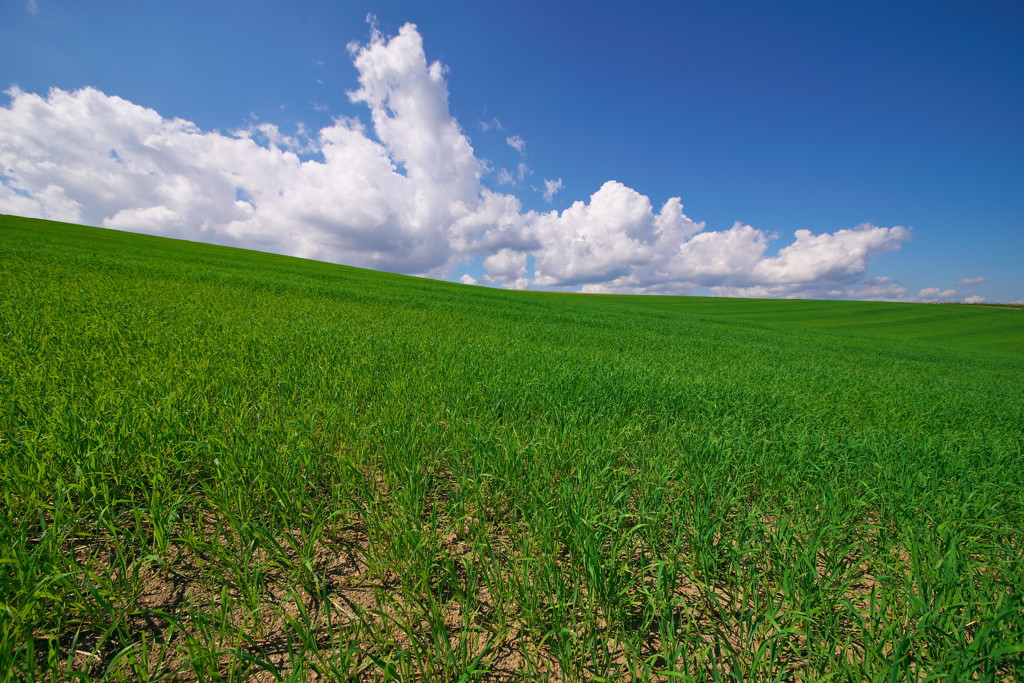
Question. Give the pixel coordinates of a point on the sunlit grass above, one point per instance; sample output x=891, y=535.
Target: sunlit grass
x=218, y=464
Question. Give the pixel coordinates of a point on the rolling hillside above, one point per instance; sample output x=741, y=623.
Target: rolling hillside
x=219, y=464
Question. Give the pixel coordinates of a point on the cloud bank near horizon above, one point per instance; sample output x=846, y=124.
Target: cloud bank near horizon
x=407, y=196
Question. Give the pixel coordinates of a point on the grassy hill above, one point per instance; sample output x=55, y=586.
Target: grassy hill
x=218, y=464
x=975, y=325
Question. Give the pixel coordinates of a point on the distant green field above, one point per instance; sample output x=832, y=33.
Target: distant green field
x=979, y=326
x=219, y=464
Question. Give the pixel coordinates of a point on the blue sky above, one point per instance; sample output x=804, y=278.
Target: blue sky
x=890, y=132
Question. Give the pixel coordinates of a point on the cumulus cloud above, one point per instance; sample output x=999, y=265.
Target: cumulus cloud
x=971, y=281
x=551, y=188
x=839, y=257
x=403, y=194
x=618, y=243
x=974, y=300
x=507, y=267
x=390, y=203
x=936, y=295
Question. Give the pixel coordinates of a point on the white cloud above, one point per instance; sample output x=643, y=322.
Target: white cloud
x=404, y=196
x=879, y=289
x=873, y=289
x=516, y=143
x=551, y=188
x=467, y=279
x=389, y=203
x=971, y=281
x=936, y=295
x=493, y=124
x=727, y=256
x=508, y=265
x=870, y=290
x=616, y=241
x=839, y=257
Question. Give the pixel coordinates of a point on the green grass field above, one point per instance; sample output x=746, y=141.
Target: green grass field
x=220, y=464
